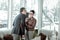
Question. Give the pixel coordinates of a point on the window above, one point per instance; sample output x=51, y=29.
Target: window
x=50, y=19
x=10, y=8
x=3, y=13
x=8, y=11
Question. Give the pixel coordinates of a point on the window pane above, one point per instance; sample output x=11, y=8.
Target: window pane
x=49, y=15
x=3, y=13
x=16, y=5
x=3, y=4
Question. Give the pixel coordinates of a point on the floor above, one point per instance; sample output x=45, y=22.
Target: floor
x=6, y=31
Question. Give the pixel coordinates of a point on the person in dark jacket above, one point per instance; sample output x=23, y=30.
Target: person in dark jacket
x=19, y=25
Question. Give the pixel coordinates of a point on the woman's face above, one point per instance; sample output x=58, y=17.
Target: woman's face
x=31, y=14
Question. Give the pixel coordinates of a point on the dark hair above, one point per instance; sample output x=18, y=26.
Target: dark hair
x=0, y=38
x=21, y=9
x=32, y=11
x=8, y=37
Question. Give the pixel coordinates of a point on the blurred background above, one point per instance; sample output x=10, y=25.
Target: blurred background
x=47, y=14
